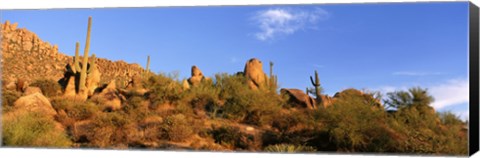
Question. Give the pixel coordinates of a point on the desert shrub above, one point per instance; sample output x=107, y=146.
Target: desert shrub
x=353, y=124
x=75, y=110
x=50, y=88
x=136, y=109
x=256, y=107
x=112, y=130
x=177, y=128
x=8, y=98
x=32, y=130
x=233, y=138
x=163, y=89
x=289, y=148
x=449, y=118
x=290, y=121
x=203, y=97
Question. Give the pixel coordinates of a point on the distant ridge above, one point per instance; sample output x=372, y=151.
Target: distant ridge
x=26, y=56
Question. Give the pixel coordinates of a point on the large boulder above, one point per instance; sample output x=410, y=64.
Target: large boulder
x=196, y=78
x=254, y=73
x=299, y=98
x=32, y=90
x=35, y=102
x=109, y=97
x=92, y=80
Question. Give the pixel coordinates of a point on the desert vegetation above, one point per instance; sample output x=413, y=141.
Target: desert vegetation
x=244, y=111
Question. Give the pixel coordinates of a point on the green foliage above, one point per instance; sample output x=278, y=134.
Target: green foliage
x=414, y=97
x=177, y=128
x=50, y=88
x=76, y=110
x=32, y=130
x=449, y=118
x=232, y=138
x=256, y=107
x=8, y=99
x=203, y=97
x=289, y=148
x=112, y=130
x=353, y=124
x=163, y=89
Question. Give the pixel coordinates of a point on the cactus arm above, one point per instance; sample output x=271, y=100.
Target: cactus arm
x=76, y=66
x=83, y=74
x=93, y=65
x=313, y=82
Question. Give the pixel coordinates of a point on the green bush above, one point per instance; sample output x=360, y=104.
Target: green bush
x=75, y=110
x=232, y=138
x=163, y=89
x=177, y=128
x=255, y=107
x=289, y=148
x=203, y=97
x=8, y=99
x=32, y=130
x=50, y=88
x=112, y=130
x=353, y=124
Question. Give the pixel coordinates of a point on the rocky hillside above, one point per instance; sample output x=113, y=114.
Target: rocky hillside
x=27, y=56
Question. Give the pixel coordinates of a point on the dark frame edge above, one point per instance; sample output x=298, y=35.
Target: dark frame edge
x=474, y=80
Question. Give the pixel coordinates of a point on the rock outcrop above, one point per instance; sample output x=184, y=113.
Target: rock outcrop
x=299, y=98
x=26, y=56
x=35, y=102
x=196, y=78
x=109, y=97
x=254, y=73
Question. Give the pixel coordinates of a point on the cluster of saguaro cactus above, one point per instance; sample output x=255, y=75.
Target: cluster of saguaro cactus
x=81, y=70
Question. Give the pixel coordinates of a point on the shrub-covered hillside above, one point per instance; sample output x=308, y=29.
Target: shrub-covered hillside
x=245, y=111
x=226, y=115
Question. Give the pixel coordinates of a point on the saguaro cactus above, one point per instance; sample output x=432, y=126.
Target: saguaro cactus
x=272, y=81
x=316, y=84
x=147, y=70
x=83, y=73
x=76, y=59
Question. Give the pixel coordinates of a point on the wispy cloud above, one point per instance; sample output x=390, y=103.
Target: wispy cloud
x=282, y=21
x=411, y=73
x=318, y=66
x=449, y=93
x=453, y=92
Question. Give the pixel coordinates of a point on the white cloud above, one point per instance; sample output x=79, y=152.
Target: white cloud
x=450, y=93
x=280, y=22
x=411, y=73
x=453, y=92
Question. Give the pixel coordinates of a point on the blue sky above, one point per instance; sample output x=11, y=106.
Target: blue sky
x=383, y=46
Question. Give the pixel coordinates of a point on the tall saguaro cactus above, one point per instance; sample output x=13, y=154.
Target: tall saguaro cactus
x=83, y=73
x=316, y=84
x=147, y=70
